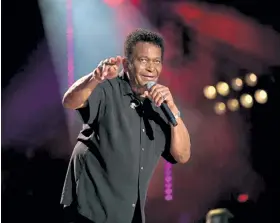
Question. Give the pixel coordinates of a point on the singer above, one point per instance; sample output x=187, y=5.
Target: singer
x=121, y=141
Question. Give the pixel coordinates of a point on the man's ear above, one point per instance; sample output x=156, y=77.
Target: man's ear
x=125, y=64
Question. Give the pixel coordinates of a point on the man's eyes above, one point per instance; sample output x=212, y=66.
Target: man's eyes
x=146, y=60
x=143, y=60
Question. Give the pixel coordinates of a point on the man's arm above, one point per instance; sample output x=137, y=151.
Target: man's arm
x=180, y=140
x=77, y=95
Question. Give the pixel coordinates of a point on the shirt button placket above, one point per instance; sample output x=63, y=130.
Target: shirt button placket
x=143, y=130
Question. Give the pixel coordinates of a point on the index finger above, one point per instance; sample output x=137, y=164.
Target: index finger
x=155, y=87
x=119, y=60
x=114, y=61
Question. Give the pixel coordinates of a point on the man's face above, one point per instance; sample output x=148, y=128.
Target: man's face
x=145, y=64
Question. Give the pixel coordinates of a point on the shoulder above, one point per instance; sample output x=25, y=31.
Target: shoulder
x=111, y=87
x=108, y=84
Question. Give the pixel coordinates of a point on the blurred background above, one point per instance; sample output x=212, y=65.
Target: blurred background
x=222, y=63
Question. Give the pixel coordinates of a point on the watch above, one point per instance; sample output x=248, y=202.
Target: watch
x=178, y=115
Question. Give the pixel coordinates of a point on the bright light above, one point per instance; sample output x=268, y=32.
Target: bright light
x=220, y=108
x=168, y=192
x=261, y=96
x=168, y=197
x=243, y=198
x=233, y=104
x=251, y=79
x=113, y=2
x=222, y=88
x=237, y=84
x=210, y=92
x=246, y=100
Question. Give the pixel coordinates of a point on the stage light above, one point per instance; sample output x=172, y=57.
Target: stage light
x=243, y=198
x=233, y=104
x=210, y=92
x=251, y=79
x=220, y=108
x=168, y=197
x=237, y=84
x=246, y=100
x=113, y=2
x=222, y=88
x=261, y=96
x=220, y=215
x=136, y=2
x=168, y=192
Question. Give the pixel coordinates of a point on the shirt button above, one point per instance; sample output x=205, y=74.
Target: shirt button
x=143, y=130
x=142, y=168
x=133, y=205
x=143, y=149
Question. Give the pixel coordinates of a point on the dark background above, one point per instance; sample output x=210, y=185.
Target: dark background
x=31, y=187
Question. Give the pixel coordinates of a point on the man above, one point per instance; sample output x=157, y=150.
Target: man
x=124, y=134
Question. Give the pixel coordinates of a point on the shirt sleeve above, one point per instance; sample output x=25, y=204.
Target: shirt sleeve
x=94, y=109
x=163, y=139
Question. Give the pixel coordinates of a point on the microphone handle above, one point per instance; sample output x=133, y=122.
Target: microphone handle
x=169, y=115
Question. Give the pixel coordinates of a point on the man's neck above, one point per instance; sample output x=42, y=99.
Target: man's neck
x=137, y=89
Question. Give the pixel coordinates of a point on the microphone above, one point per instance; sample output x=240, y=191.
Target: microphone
x=164, y=107
x=134, y=104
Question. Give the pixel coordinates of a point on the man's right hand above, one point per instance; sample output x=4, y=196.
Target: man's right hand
x=107, y=69
x=76, y=96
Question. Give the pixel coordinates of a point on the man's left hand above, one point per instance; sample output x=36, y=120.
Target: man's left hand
x=159, y=93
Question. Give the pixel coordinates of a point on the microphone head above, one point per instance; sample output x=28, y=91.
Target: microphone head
x=150, y=84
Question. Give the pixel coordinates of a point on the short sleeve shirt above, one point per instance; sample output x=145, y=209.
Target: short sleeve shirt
x=118, y=148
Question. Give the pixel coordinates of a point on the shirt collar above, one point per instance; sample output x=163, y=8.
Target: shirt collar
x=124, y=83
x=127, y=90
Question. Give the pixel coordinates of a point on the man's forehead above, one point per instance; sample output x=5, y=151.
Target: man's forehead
x=146, y=47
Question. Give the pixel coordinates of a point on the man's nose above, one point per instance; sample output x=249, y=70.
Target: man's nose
x=150, y=67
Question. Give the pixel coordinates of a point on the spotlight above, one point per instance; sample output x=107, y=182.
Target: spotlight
x=222, y=88
x=237, y=84
x=246, y=100
x=220, y=215
x=243, y=198
x=220, y=108
x=261, y=96
x=113, y=2
x=210, y=92
x=233, y=104
x=251, y=79
x=168, y=182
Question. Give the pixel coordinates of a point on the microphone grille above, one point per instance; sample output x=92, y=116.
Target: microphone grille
x=150, y=84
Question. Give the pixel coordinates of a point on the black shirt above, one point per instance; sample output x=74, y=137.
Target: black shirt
x=116, y=154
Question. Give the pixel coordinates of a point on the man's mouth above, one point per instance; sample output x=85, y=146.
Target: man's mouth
x=149, y=77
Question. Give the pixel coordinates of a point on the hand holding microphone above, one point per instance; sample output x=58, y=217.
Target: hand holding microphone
x=162, y=97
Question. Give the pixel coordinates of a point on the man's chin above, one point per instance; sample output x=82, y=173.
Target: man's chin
x=143, y=84
x=139, y=89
